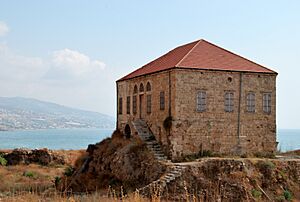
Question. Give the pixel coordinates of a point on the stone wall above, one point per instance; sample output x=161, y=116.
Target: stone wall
x=217, y=130
x=159, y=82
x=214, y=129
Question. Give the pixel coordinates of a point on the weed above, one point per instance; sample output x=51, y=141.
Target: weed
x=265, y=155
x=29, y=174
x=57, y=181
x=287, y=195
x=266, y=165
x=3, y=161
x=205, y=153
x=255, y=193
x=69, y=171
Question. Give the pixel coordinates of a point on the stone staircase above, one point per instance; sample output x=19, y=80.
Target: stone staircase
x=157, y=187
x=147, y=136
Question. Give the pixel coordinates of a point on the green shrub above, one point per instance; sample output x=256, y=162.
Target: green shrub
x=287, y=195
x=28, y=174
x=69, y=171
x=3, y=161
x=57, y=181
x=205, y=153
x=266, y=165
x=255, y=193
x=269, y=155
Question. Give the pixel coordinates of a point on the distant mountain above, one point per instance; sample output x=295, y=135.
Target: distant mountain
x=27, y=114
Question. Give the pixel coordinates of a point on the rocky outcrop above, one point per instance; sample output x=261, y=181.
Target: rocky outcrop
x=115, y=162
x=38, y=156
x=228, y=179
x=128, y=163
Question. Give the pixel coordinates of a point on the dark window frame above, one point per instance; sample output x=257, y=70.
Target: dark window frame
x=229, y=101
x=267, y=97
x=162, y=100
x=201, y=101
x=120, y=105
x=250, y=102
x=128, y=104
x=134, y=104
x=148, y=104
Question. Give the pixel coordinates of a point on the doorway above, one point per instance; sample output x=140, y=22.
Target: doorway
x=127, y=131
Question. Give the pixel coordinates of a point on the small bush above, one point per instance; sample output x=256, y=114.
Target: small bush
x=3, y=161
x=205, y=153
x=28, y=174
x=269, y=155
x=255, y=193
x=69, y=171
x=287, y=195
x=266, y=165
x=57, y=181
x=245, y=155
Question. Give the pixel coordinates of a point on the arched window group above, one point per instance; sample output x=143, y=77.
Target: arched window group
x=137, y=90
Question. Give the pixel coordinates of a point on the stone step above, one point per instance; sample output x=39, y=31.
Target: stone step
x=159, y=155
x=155, y=149
x=147, y=136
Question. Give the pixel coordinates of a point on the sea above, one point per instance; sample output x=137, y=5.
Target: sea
x=289, y=139
x=53, y=138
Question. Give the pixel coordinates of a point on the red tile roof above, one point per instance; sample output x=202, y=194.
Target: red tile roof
x=199, y=54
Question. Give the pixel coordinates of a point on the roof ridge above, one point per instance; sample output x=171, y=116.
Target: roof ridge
x=188, y=52
x=161, y=57
x=238, y=55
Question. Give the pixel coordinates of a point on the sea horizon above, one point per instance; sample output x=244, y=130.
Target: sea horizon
x=80, y=138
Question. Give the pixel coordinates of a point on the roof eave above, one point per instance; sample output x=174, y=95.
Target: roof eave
x=193, y=68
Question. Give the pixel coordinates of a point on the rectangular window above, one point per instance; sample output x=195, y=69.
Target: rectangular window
x=128, y=105
x=134, y=104
x=250, y=102
x=162, y=100
x=201, y=101
x=229, y=102
x=267, y=102
x=120, y=105
x=148, y=103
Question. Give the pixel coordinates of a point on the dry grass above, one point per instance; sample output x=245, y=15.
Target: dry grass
x=27, y=177
x=31, y=197
x=70, y=156
x=35, y=178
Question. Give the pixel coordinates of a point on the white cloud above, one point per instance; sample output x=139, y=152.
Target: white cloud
x=63, y=77
x=3, y=29
x=18, y=67
x=72, y=63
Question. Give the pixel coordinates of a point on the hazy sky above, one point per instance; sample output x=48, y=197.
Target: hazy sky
x=71, y=52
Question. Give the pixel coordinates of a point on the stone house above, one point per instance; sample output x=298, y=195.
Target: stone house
x=201, y=97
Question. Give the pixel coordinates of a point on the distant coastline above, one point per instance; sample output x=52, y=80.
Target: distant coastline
x=17, y=113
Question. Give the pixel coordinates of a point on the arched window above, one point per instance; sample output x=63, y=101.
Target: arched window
x=141, y=87
x=135, y=90
x=148, y=87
